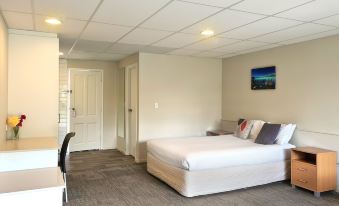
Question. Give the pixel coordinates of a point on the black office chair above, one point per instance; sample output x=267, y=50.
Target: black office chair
x=62, y=160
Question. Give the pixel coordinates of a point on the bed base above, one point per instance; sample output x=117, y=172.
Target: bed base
x=203, y=182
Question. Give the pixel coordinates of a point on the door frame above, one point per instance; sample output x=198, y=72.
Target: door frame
x=102, y=100
x=127, y=119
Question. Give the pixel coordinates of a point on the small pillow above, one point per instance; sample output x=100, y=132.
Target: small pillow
x=243, y=129
x=257, y=125
x=240, y=121
x=268, y=134
x=285, y=134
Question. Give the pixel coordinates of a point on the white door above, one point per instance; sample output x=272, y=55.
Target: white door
x=86, y=109
x=132, y=101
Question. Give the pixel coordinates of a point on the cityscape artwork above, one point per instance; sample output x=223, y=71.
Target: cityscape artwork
x=263, y=78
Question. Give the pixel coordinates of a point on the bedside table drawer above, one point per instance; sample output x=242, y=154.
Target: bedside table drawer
x=304, y=175
x=304, y=181
x=304, y=168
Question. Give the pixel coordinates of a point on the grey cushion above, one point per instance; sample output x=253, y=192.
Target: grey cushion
x=268, y=134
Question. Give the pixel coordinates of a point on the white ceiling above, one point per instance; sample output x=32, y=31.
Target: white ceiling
x=113, y=29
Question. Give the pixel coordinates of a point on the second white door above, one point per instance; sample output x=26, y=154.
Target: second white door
x=132, y=105
x=86, y=109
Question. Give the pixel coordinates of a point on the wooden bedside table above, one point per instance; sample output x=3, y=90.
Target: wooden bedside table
x=314, y=169
x=218, y=132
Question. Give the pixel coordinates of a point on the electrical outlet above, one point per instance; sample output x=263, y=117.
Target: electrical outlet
x=156, y=105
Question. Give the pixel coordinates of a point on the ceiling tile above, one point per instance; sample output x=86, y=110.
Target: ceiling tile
x=178, y=15
x=294, y=32
x=16, y=5
x=229, y=55
x=109, y=57
x=312, y=11
x=332, y=21
x=68, y=29
x=121, y=48
x=155, y=49
x=240, y=46
x=267, y=7
x=79, y=9
x=95, y=56
x=211, y=43
x=179, y=40
x=269, y=46
x=218, y=3
x=18, y=20
x=212, y=54
x=261, y=27
x=91, y=46
x=104, y=32
x=127, y=12
x=144, y=36
x=311, y=37
x=184, y=52
x=223, y=21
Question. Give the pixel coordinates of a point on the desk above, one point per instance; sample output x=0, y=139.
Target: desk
x=36, y=187
x=28, y=153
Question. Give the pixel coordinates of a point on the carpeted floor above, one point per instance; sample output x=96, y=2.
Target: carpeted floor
x=110, y=178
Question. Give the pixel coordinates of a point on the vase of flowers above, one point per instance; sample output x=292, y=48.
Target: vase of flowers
x=15, y=122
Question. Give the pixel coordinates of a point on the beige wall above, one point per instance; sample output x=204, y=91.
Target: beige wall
x=132, y=59
x=33, y=71
x=3, y=77
x=306, y=93
x=188, y=91
x=109, y=96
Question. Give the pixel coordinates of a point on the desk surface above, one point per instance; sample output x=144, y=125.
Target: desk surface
x=27, y=180
x=29, y=144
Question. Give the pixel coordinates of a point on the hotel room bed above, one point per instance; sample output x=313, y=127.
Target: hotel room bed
x=204, y=165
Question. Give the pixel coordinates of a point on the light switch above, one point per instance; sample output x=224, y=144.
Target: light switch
x=156, y=105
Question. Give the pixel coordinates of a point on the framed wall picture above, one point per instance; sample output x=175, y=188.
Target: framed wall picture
x=263, y=78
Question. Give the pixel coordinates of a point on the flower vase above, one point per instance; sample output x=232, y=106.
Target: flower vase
x=13, y=133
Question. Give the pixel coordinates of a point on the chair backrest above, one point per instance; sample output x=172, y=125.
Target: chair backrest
x=63, y=151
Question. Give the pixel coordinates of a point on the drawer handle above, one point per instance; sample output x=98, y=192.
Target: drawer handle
x=302, y=181
x=302, y=169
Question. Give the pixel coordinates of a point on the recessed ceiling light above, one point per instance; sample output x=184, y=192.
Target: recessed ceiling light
x=207, y=32
x=61, y=53
x=53, y=21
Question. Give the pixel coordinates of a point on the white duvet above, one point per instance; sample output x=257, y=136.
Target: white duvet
x=199, y=153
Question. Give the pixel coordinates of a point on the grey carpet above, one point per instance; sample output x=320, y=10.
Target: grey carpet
x=110, y=178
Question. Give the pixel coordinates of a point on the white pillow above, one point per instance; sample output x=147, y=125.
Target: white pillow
x=285, y=133
x=243, y=130
x=257, y=125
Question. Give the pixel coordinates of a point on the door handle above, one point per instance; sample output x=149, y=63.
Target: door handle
x=130, y=110
x=74, y=114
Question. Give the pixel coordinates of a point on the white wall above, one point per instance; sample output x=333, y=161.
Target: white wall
x=188, y=91
x=33, y=65
x=3, y=77
x=109, y=97
x=306, y=93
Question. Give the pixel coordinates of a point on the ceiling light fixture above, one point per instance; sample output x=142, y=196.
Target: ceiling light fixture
x=207, y=32
x=53, y=21
x=61, y=53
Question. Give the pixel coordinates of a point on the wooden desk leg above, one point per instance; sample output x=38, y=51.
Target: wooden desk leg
x=317, y=194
